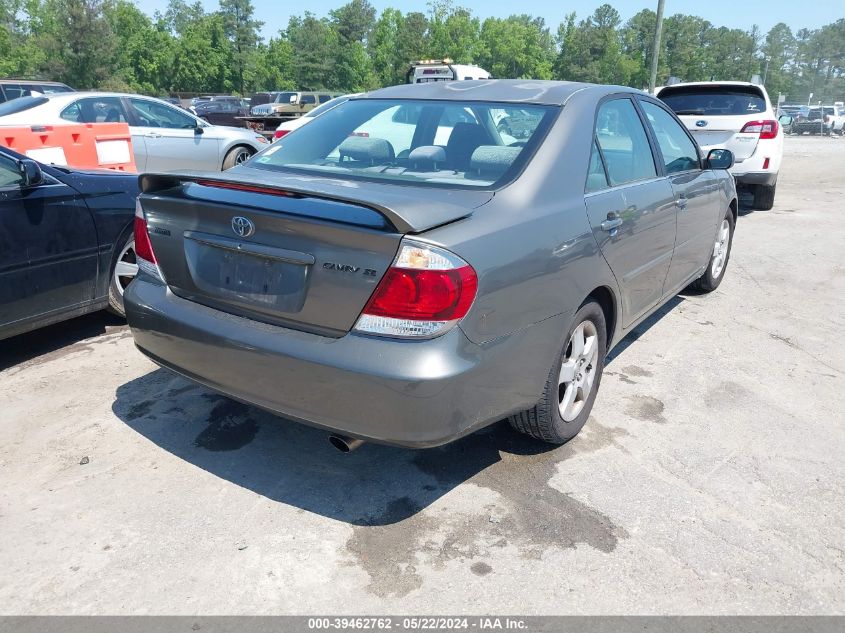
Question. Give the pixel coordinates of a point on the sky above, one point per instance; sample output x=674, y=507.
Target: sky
x=730, y=13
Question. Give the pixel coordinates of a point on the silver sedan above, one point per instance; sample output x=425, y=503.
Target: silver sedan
x=164, y=137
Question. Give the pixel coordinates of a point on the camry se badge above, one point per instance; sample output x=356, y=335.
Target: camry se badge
x=243, y=227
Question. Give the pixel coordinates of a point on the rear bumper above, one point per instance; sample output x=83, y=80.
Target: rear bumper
x=757, y=178
x=409, y=393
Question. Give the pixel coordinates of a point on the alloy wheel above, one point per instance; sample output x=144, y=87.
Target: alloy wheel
x=126, y=268
x=578, y=371
x=720, y=249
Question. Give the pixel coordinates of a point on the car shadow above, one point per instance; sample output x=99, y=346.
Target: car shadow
x=745, y=197
x=48, y=341
x=294, y=464
x=645, y=326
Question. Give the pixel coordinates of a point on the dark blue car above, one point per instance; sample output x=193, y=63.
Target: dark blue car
x=66, y=243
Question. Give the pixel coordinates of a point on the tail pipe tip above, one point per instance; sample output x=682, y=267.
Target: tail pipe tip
x=345, y=444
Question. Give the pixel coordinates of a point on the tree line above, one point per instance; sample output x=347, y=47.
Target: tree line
x=112, y=45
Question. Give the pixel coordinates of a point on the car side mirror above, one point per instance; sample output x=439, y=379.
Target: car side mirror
x=31, y=173
x=720, y=159
x=785, y=119
x=293, y=99
x=198, y=130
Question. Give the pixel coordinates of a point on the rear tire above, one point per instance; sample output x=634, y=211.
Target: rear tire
x=718, y=263
x=573, y=381
x=764, y=197
x=237, y=156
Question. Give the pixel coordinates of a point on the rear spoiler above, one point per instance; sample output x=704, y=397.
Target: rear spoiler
x=406, y=212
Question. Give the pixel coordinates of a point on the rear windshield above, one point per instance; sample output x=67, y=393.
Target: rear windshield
x=714, y=100
x=20, y=104
x=440, y=143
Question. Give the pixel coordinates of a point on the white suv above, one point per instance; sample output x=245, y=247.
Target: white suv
x=737, y=116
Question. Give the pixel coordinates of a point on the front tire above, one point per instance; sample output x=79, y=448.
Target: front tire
x=764, y=197
x=237, y=156
x=573, y=381
x=718, y=263
x=124, y=270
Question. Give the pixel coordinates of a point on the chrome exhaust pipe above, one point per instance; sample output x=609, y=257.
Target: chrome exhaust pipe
x=345, y=444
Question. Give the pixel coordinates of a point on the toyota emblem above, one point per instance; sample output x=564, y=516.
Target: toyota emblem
x=243, y=227
x=701, y=123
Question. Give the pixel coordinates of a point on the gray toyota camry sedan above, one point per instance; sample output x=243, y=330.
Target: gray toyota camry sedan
x=424, y=260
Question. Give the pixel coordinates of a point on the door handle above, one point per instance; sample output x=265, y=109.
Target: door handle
x=682, y=203
x=612, y=222
x=152, y=135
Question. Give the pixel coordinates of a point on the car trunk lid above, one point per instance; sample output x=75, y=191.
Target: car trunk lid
x=280, y=252
x=723, y=132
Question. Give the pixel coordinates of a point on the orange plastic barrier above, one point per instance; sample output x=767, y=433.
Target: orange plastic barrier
x=80, y=145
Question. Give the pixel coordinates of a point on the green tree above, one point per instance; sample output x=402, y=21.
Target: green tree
x=354, y=21
x=314, y=43
x=203, y=59
x=78, y=42
x=243, y=32
x=519, y=47
x=452, y=32
x=145, y=51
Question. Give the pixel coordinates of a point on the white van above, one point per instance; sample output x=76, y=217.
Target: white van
x=427, y=70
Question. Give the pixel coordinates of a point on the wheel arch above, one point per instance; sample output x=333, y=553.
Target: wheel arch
x=606, y=298
x=239, y=144
x=734, y=206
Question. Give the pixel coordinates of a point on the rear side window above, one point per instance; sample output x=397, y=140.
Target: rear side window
x=678, y=151
x=714, y=100
x=596, y=176
x=308, y=99
x=623, y=142
x=95, y=110
x=325, y=98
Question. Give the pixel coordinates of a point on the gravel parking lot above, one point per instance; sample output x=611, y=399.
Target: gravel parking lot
x=710, y=478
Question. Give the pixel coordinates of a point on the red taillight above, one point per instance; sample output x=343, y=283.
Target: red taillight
x=425, y=292
x=144, y=255
x=766, y=129
x=279, y=134
x=424, y=295
x=143, y=247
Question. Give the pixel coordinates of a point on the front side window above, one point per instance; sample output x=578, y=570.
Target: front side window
x=10, y=175
x=623, y=142
x=95, y=110
x=439, y=143
x=678, y=151
x=152, y=114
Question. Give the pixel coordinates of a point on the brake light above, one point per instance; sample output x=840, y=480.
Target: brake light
x=766, y=129
x=279, y=134
x=425, y=292
x=144, y=255
x=237, y=186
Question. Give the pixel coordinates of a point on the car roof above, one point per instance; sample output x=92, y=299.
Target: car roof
x=497, y=90
x=31, y=81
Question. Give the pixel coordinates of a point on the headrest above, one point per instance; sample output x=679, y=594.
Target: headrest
x=368, y=150
x=493, y=160
x=427, y=157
